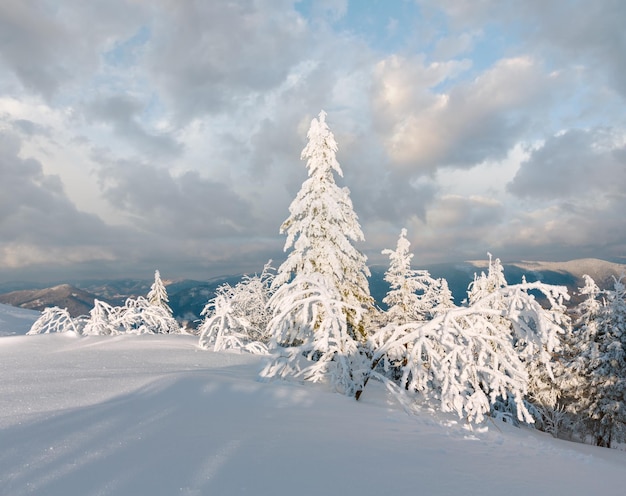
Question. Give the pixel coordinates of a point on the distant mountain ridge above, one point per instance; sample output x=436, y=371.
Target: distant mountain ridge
x=460, y=275
x=601, y=271
x=188, y=297
x=75, y=300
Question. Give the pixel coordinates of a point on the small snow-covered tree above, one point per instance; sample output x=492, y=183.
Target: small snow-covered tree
x=158, y=294
x=599, y=360
x=581, y=343
x=403, y=302
x=413, y=296
x=457, y=360
x=99, y=322
x=487, y=284
x=442, y=297
x=237, y=317
x=519, y=314
x=321, y=228
x=54, y=319
x=139, y=316
x=467, y=359
x=311, y=336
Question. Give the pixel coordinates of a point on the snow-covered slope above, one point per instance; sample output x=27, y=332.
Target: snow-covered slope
x=14, y=320
x=153, y=415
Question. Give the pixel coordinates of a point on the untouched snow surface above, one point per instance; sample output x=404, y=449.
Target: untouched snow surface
x=153, y=415
x=14, y=320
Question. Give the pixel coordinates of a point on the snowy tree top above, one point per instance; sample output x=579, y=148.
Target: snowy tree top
x=321, y=149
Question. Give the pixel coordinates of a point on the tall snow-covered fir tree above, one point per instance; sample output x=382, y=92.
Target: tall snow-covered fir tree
x=158, y=294
x=322, y=227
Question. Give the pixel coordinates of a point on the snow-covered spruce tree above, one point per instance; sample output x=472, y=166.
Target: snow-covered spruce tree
x=321, y=304
x=321, y=228
x=311, y=336
x=411, y=292
x=413, y=296
x=100, y=320
x=599, y=363
x=581, y=343
x=401, y=299
x=487, y=284
x=443, y=299
x=457, y=362
x=55, y=319
x=238, y=317
x=158, y=294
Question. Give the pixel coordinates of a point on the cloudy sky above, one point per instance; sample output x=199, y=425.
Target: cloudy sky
x=167, y=134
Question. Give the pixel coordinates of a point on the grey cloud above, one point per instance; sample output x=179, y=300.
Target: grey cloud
x=575, y=164
x=187, y=224
x=466, y=213
x=475, y=121
x=401, y=200
x=47, y=46
x=589, y=32
x=567, y=231
x=568, y=33
x=123, y=114
x=448, y=48
x=184, y=206
x=275, y=143
x=30, y=41
x=390, y=197
x=209, y=56
x=458, y=228
x=30, y=128
x=35, y=213
x=331, y=9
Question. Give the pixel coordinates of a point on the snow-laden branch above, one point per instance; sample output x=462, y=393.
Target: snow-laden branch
x=467, y=357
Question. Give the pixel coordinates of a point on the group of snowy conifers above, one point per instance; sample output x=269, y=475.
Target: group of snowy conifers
x=499, y=354
x=137, y=316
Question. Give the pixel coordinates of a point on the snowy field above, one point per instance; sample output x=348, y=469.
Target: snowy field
x=153, y=415
x=15, y=320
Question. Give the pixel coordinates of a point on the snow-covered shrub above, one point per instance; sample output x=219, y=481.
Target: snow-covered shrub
x=536, y=331
x=237, y=317
x=469, y=358
x=458, y=360
x=55, y=319
x=311, y=336
x=102, y=320
x=139, y=316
